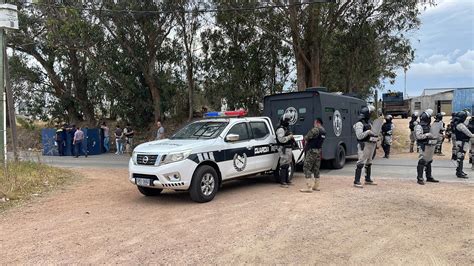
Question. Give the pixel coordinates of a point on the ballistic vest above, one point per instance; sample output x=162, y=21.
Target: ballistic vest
x=317, y=142
x=426, y=129
x=386, y=128
x=460, y=136
x=367, y=126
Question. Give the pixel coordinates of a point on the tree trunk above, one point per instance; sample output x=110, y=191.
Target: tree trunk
x=155, y=94
x=189, y=74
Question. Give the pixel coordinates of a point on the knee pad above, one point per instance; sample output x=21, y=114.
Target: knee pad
x=422, y=162
x=360, y=166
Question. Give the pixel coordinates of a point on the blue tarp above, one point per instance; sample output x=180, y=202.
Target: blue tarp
x=93, y=142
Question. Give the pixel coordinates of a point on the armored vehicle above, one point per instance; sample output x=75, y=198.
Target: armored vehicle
x=338, y=112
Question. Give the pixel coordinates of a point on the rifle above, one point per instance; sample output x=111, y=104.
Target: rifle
x=305, y=149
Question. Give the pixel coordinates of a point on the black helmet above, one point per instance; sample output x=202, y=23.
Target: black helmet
x=439, y=116
x=285, y=120
x=414, y=116
x=365, y=112
x=462, y=116
x=425, y=117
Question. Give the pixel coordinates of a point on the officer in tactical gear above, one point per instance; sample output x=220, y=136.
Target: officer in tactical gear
x=412, y=124
x=387, y=131
x=439, y=144
x=463, y=136
x=470, y=126
x=367, y=141
x=285, y=142
x=312, y=160
x=426, y=144
x=454, y=121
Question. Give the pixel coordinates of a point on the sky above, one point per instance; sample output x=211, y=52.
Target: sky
x=444, y=49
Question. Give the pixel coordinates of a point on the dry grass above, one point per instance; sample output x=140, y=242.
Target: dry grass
x=24, y=180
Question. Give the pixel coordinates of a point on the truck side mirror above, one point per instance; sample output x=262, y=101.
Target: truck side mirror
x=232, y=137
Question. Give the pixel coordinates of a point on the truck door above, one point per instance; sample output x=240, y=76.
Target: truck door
x=301, y=110
x=238, y=154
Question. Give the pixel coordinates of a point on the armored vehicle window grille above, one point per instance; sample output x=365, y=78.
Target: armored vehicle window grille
x=302, y=110
x=146, y=159
x=280, y=112
x=259, y=130
x=329, y=110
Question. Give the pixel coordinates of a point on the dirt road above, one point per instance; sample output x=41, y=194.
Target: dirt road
x=103, y=219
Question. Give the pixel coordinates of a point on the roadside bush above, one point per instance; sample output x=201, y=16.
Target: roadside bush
x=22, y=180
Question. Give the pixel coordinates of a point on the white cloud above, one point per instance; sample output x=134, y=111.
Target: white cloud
x=450, y=65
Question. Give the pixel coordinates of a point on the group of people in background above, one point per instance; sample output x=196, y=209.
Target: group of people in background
x=123, y=138
x=77, y=139
x=460, y=132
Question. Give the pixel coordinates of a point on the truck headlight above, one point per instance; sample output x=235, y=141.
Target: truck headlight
x=134, y=158
x=176, y=157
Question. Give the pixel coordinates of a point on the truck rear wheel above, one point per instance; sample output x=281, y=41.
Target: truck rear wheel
x=340, y=160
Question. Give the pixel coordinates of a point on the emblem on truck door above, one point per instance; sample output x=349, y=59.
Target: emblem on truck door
x=240, y=162
x=337, y=123
x=293, y=115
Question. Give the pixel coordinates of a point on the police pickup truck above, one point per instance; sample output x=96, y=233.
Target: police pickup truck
x=205, y=153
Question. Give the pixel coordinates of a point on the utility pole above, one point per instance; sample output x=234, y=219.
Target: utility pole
x=10, y=104
x=8, y=20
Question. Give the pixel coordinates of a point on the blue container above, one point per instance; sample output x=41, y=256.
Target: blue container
x=92, y=142
x=463, y=98
x=48, y=136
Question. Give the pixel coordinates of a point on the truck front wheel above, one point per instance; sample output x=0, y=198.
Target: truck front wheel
x=204, y=184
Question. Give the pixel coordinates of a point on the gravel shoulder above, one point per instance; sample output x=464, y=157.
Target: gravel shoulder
x=103, y=219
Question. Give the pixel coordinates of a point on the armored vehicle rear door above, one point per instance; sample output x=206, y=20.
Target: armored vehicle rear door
x=300, y=108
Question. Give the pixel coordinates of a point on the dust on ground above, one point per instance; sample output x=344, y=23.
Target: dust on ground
x=104, y=219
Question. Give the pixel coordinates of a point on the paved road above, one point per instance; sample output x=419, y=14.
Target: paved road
x=382, y=168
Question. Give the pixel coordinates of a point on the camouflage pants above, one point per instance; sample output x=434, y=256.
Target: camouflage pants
x=312, y=162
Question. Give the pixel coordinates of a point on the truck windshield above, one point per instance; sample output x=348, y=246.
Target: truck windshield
x=197, y=130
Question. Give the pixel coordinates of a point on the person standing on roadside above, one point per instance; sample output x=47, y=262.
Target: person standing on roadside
x=78, y=143
x=106, y=131
x=367, y=141
x=412, y=124
x=285, y=141
x=439, y=144
x=426, y=143
x=312, y=160
x=128, y=133
x=387, y=132
x=118, y=139
x=463, y=137
x=60, y=140
x=72, y=132
x=160, y=133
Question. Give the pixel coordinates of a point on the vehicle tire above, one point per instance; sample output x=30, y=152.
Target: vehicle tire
x=291, y=169
x=340, y=160
x=149, y=192
x=204, y=184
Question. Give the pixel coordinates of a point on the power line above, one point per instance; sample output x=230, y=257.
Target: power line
x=210, y=10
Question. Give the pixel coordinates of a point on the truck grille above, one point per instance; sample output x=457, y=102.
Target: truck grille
x=145, y=159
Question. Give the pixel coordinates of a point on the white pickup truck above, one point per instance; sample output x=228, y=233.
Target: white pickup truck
x=203, y=154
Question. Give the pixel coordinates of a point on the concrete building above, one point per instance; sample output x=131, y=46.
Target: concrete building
x=446, y=100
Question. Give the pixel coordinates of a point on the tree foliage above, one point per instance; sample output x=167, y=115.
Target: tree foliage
x=141, y=61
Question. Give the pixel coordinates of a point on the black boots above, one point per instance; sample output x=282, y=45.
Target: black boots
x=429, y=177
x=368, y=172
x=419, y=172
x=358, y=173
x=459, y=170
